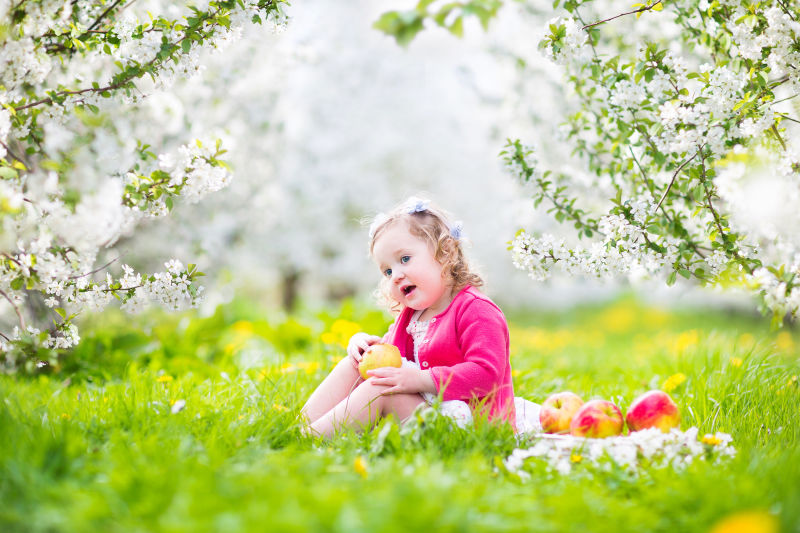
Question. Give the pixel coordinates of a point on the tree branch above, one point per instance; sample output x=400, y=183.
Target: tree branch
x=16, y=309
x=785, y=10
x=640, y=10
x=675, y=175
x=96, y=270
x=717, y=218
x=101, y=17
x=11, y=152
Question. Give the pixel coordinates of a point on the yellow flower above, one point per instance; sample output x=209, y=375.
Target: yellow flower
x=747, y=522
x=360, y=466
x=686, y=340
x=576, y=458
x=746, y=340
x=711, y=440
x=308, y=366
x=340, y=332
x=164, y=379
x=736, y=362
x=785, y=341
x=243, y=327
x=792, y=381
x=279, y=407
x=65, y=416
x=619, y=318
x=673, y=382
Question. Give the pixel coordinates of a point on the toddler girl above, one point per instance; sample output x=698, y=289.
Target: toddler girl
x=453, y=339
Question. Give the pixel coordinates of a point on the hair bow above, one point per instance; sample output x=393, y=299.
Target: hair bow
x=415, y=205
x=457, y=230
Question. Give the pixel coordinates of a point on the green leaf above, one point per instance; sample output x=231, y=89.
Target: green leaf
x=8, y=173
x=457, y=28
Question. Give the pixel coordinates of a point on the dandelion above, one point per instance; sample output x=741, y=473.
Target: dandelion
x=736, y=362
x=360, y=466
x=792, y=381
x=686, y=340
x=784, y=341
x=711, y=440
x=747, y=522
x=243, y=327
x=279, y=407
x=166, y=378
x=340, y=332
x=576, y=458
x=746, y=340
x=65, y=416
x=673, y=382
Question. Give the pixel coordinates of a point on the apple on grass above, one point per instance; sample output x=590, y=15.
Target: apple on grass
x=653, y=409
x=379, y=356
x=557, y=411
x=597, y=419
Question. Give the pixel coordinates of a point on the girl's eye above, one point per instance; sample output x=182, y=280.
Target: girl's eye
x=387, y=272
x=405, y=259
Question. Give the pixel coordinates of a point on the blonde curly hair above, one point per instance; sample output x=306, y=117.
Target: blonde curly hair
x=433, y=225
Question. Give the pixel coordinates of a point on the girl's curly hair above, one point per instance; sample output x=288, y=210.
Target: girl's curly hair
x=432, y=225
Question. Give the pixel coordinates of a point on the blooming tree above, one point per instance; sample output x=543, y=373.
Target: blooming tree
x=304, y=157
x=689, y=130
x=72, y=181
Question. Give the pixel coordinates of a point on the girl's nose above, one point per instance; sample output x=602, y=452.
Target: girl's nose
x=397, y=275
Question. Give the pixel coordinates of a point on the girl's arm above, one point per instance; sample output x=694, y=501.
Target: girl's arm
x=403, y=380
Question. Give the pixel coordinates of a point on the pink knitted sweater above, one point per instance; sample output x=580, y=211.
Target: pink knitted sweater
x=467, y=351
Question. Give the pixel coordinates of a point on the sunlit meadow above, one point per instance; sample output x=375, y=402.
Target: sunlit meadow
x=187, y=423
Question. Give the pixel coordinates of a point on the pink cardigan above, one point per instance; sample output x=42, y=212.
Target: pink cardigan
x=467, y=351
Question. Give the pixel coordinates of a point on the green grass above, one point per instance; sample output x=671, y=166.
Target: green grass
x=94, y=445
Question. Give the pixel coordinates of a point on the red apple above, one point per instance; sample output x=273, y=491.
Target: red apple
x=653, y=409
x=597, y=419
x=557, y=411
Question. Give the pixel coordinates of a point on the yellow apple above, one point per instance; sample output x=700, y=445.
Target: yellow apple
x=379, y=356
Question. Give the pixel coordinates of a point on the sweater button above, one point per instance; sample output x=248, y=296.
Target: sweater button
x=433, y=320
x=425, y=364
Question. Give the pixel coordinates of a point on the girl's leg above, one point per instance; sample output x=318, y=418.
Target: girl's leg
x=340, y=382
x=363, y=407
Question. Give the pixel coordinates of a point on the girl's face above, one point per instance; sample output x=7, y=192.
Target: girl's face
x=414, y=275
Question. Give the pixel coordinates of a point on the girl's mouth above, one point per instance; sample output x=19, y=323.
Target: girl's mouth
x=409, y=289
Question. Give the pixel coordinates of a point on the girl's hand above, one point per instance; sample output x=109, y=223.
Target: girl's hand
x=402, y=380
x=359, y=343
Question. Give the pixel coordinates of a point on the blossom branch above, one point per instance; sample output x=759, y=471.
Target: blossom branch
x=96, y=270
x=785, y=10
x=16, y=309
x=134, y=72
x=11, y=152
x=675, y=175
x=640, y=10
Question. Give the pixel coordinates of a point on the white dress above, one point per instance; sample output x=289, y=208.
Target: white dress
x=458, y=410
